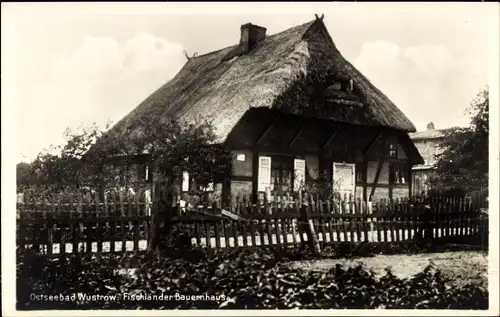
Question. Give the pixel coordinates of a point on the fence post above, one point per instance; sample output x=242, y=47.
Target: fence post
x=307, y=225
x=153, y=243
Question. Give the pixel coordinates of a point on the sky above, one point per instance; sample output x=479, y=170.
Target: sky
x=73, y=64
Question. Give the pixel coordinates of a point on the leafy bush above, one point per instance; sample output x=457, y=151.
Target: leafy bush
x=255, y=279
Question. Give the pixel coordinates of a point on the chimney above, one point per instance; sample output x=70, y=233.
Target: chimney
x=430, y=126
x=251, y=35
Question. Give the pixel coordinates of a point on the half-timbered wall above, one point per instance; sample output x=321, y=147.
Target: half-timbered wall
x=320, y=144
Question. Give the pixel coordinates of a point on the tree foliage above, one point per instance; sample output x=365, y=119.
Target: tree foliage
x=61, y=167
x=22, y=173
x=176, y=147
x=463, y=163
x=168, y=145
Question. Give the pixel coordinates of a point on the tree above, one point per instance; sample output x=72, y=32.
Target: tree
x=61, y=168
x=463, y=164
x=22, y=173
x=175, y=147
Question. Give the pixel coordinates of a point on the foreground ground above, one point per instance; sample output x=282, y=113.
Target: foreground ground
x=260, y=278
x=460, y=268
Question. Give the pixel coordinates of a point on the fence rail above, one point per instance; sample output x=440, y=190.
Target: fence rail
x=123, y=224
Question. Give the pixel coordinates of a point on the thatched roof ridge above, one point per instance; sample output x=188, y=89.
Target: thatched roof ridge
x=221, y=88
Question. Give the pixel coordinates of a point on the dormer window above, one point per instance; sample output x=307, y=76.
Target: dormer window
x=337, y=86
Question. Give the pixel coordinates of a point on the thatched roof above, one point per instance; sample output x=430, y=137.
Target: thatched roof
x=222, y=85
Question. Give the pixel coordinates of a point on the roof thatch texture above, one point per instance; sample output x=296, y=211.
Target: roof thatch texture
x=277, y=74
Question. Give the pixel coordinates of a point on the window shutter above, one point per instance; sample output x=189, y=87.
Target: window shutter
x=299, y=167
x=344, y=178
x=264, y=174
x=185, y=181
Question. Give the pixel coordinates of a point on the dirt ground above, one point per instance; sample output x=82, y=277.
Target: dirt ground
x=461, y=267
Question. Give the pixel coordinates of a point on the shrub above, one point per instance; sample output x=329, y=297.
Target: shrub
x=255, y=279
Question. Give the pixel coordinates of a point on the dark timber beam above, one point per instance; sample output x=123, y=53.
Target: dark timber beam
x=365, y=177
x=266, y=132
x=377, y=174
x=330, y=139
x=302, y=128
x=374, y=141
x=410, y=180
x=255, y=174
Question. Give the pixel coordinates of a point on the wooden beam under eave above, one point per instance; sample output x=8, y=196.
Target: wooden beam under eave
x=373, y=142
x=330, y=139
x=377, y=174
x=302, y=128
x=266, y=132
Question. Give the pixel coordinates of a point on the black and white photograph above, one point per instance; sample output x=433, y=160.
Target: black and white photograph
x=250, y=158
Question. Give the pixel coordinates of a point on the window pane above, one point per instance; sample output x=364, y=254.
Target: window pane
x=396, y=174
x=281, y=173
x=404, y=174
x=392, y=150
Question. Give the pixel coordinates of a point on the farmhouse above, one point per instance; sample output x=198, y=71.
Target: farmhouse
x=291, y=109
x=428, y=143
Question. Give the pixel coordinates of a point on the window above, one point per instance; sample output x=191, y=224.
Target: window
x=240, y=157
x=282, y=170
x=337, y=86
x=144, y=173
x=281, y=174
x=399, y=173
x=393, y=150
